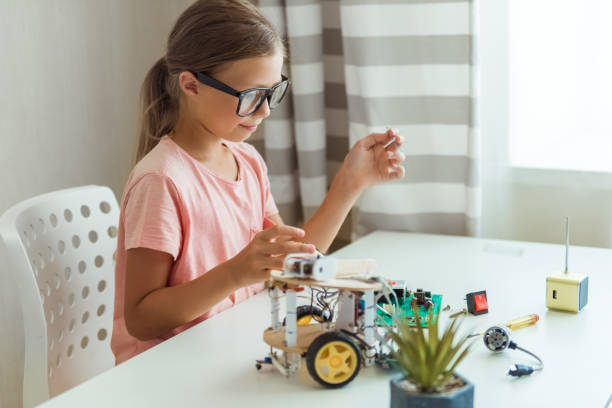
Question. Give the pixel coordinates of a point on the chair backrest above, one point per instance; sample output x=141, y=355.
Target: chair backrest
x=61, y=249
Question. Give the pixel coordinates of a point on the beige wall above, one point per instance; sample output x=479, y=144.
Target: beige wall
x=70, y=72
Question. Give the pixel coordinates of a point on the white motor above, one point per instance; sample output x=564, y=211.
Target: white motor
x=311, y=266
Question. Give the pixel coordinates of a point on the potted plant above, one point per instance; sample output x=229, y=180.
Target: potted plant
x=428, y=363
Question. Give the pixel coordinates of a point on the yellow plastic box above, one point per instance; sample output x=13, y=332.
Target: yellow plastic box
x=567, y=291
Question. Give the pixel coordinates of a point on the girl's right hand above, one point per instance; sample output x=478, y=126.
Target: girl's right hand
x=267, y=251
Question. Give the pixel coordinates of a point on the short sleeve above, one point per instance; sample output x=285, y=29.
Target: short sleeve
x=152, y=215
x=269, y=204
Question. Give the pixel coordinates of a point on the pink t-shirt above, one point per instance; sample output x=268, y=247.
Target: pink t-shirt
x=174, y=204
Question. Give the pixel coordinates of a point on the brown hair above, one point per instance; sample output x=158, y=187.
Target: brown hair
x=208, y=34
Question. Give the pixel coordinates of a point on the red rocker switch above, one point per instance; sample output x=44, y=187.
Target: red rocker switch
x=477, y=302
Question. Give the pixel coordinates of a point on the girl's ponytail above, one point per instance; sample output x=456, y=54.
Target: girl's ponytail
x=159, y=110
x=209, y=34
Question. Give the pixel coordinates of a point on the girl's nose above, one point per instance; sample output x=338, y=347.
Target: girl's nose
x=264, y=110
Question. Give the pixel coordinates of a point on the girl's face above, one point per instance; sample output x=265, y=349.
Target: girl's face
x=216, y=110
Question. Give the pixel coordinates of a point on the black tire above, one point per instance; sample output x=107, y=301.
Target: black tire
x=343, y=341
x=307, y=310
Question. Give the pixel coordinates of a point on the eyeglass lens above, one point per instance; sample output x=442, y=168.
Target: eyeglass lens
x=250, y=101
x=253, y=99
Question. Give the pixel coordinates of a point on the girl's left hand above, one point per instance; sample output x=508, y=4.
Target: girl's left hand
x=369, y=163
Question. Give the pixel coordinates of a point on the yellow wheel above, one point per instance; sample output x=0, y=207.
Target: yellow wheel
x=306, y=314
x=304, y=320
x=333, y=359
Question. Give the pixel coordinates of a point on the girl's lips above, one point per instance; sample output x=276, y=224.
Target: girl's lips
x=249, y=128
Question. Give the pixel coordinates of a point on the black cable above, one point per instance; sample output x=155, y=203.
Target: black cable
x=359, y=339
x=311, y=297
x=520, y=370
x=534, y=356
x=322, y=302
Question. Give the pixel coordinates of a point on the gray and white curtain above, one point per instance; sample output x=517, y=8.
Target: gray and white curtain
x=358, y=66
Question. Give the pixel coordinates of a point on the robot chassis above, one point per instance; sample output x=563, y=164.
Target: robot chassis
x=334, y=350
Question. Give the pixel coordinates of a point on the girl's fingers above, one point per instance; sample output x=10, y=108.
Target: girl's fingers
x=395, y=155
x=399, y=140
x=396, y=172
x=388, y=161
x=393, y=139
x=274, y=262
x=281, y=230
x=392, y=163
x=289, y=247
x=374, y=139
x=282, y=238
x=382, y=139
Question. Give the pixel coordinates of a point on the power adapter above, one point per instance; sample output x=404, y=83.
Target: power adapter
x=567, y=291
x=564, y=290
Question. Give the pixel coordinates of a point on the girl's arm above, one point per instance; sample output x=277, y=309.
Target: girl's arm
x=325, y=223
x=152, y=308
x=323, y=226
x=366, y=164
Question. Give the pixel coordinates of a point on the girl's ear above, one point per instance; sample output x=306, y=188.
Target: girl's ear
x=188, y=83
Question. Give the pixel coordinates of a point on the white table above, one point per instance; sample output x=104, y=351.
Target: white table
x=212, y=364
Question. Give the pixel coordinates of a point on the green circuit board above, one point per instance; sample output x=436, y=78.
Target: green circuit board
x=406, y=313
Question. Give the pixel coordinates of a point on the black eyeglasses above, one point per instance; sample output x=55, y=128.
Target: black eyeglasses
x=249, y=100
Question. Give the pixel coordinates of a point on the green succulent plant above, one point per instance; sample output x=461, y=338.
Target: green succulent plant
x=429, y=361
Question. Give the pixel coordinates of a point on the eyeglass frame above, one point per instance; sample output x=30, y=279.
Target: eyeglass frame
x=220, y=86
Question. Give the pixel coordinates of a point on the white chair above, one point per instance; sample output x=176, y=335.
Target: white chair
x=61, y=249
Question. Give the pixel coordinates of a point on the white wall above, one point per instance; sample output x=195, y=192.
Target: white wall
x=529, y=204
x=70, y=73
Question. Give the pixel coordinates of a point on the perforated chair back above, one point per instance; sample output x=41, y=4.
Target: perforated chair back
x=61, y=248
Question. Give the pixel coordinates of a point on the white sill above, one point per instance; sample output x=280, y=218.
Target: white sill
x=547, y=177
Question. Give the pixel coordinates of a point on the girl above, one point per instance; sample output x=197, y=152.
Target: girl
x=199, y=230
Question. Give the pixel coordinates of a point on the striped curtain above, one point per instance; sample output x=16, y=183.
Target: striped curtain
x=358, y=66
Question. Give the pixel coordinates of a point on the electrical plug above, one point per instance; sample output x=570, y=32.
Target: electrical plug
x=519, y=370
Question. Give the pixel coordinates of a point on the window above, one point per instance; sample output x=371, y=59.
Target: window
x=560, y=84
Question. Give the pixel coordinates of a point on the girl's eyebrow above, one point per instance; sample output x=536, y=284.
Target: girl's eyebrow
x=264, y=86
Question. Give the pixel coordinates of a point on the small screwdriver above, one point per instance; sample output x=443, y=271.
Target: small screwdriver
x=517, y=323
x=521, y=322
x=390, y=142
